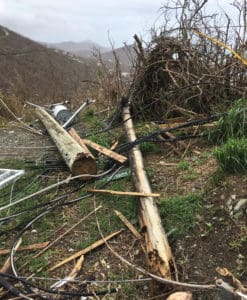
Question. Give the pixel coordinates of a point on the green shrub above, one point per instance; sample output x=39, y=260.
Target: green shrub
x=232, y=125
x=232, y=156
x=178, y=213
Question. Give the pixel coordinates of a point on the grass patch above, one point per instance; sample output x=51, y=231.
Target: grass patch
x=178, y=213
x=232, y=156
x=232, y=125
x=182, y=166
x=108, y=220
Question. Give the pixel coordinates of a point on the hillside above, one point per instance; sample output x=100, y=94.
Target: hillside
x=30, y=71
x=82, y=49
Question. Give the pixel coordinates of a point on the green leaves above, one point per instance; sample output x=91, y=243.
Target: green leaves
x=232, y=156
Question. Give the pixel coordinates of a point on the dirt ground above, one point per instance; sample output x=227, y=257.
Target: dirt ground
x=218, y=238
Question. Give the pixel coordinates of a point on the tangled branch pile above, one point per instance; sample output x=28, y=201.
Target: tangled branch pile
x=184, y=70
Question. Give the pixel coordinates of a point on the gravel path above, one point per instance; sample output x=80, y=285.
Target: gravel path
x=19, y=143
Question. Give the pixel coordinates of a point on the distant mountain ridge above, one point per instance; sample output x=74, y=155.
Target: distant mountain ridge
x=85, y=49
x=82, y=49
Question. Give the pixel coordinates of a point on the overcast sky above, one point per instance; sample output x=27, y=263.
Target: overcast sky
x=79, y=20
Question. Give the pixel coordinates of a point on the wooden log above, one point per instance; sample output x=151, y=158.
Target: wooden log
x=158, y=249
x=114, y=155
x=78, y=159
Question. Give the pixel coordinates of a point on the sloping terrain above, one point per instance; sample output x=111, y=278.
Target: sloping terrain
x=88, y=49
x=38, y=74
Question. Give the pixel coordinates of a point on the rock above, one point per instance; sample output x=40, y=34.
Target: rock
x=180, y=296
x=240, y=204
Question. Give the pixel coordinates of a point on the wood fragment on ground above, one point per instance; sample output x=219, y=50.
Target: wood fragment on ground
x=86, y=250
x=128, y=224
x=111, y=192
x=108, y=152
x=24, y=248
x=72, y=274
x=6, y=266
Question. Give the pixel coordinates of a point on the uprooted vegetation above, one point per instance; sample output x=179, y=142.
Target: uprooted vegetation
x=203, y=208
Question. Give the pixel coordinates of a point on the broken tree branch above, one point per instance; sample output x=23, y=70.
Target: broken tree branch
x=71, y=276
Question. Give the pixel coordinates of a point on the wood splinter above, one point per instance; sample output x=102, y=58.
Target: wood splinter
x=24, y=248
x=128, y=224
x=86, y=250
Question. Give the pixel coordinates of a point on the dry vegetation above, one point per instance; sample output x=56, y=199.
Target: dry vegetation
x=183, y=69
x=181, y=72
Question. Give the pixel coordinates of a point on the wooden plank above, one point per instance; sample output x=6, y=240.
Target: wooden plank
x=114, y=155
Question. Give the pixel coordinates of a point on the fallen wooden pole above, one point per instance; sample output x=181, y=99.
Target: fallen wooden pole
x=139, y=194
x=86, y=250
x=118, y=157
x=77, y=157
x=158, y=249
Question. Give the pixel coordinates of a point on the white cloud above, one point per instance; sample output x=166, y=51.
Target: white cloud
x=60, y=20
